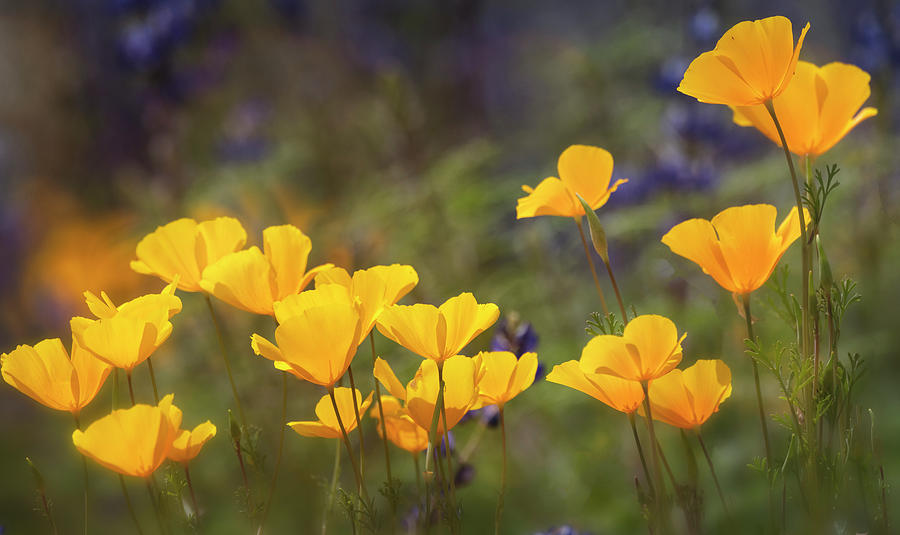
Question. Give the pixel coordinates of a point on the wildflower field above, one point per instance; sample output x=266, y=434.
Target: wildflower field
x=463, y=267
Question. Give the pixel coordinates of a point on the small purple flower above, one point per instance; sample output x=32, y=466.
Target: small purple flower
x=518, y=337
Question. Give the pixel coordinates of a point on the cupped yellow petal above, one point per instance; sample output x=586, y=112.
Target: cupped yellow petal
x=460, y=320
x=328, y=426
x=334, y=275
x=124, y=341
x=401, y=430
x=217, y=238
x=550, y=197
x=687, y=398
x=91, y=372
x=44, y=373
x=187, y=444
x=847, y=90
x=696, y=240
x=504, y=376
x=386, y=376
x=413, y=327
x=324, y=294
x=649, y=347
x=621, y=394
x=587, y=171
x=244, y=280
x=379, y=287
x=287, y=249
x=460, y=391
x=314, y=429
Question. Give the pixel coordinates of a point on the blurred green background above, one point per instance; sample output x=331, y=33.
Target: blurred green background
x=401, y=131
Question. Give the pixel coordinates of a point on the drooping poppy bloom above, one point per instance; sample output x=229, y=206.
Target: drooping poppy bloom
x=753, y=62
x=621, y=394
x=649, y=348
x=327, y=425
x=739, y=248
x=816, y=110
x=254, y=280
x=133, y=441
x=503, y=376
x=401, y=430
x=687, y=398
x=461, y=377
x=187, y=444
x=185, y=247
x=45, y=373
x=437, y=333
x=127, y=335
x=583, y=170
x=317, y=339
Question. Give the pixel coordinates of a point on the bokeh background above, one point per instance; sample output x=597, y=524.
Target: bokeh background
x=401, y=131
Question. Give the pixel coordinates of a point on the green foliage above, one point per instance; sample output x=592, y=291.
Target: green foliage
x=598, y=324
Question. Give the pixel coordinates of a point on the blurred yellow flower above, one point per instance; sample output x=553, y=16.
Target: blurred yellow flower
x=818, y=108
x=46, y=374
x=185, y=247
x=740, y=247
x=687, y=398
x=127, y=335
x=253, y=280
x=187, y=444
x=461, y=376
x=584, y=170
x=133, y=441
x=402, y=431
x=621, y=394
x=317, y=337
x=753, y=62
x=503, y=376
x=437, y=333
x=649, y=348
x=327, y=426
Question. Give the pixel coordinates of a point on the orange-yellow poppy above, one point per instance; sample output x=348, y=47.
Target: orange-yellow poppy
x=687, y=398
x=818, y=108
x=739, y=248
x=46, y=374
x=133, y=441
x=649, y=348
x=503, y=376
x=401, y=430
x=621, y=394
x=187, y=444
x=437, y=333
x=327, y=425
x=461, y=376
x=185, y=247
x=254, y=280
x=753, y=62
x=584, y=170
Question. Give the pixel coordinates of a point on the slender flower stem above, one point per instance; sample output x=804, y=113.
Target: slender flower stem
x=637, y=442
x=362, y=445
x=359, y=482
x=187, y=477
x=612, y=279
x=240, y=458
x=712, y=470
x=274, y=482
x=115, y=389
x=415, y=457
x=587, y=253
x=804, y=338
x=130, y=388
x=499, y=515
x=384, y=438
x=432, y=440
x=745, y=299
x=85, y=470
x=332, y=489
x=659, y=497
x=224, y=352
x=451, y=483
x=153, y=380
x=130, y=507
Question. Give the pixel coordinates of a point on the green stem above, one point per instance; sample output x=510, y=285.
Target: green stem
x=187, y=477
x=130, y=388
x=745, y=299
x=587, y=253
x=156, y=506
x=499, y=515
x=712, y=470
x=657, y=473
x=361, y=489
x=451, y=483
x=274, y=482
x=432, y=440
x=637, y=442
x=384, y=437
x=153, y=380
x=130, y=507
x=415, y=457
x=85, y=471
x=335, y=473
x=612, y=279
x=359, y=431
x=224, y=352
x=115, y=389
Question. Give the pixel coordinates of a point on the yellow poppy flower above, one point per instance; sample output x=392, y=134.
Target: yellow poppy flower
x=317, y=342
x=503, y=376
x=46, y=374
x=687, y=398
x=187, y=444
x=185, y=247
x=649, y=348
x=584, y=170
x=739, y=248
x=327, y=426
x=133, y=441
x=254, y=280
x=437, y=333
x=819, y=107
x=461, y=376
x=753, y=62
x=401, y=430
x=621, y=394
x=127, y=335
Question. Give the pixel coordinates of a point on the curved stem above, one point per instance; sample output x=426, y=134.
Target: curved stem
x=637, y=442
x=660, y=487
x=187, y=477
x=153, y=380
x=274, y=482
x=712, y=470
x=130, y=388
x=384, y=438
x=587, y=253
x=156, y=506
x=359, y=431
x=499, y=514
x=335, y=473
x=359, y=482
x=130, y=507
x=224, y=352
